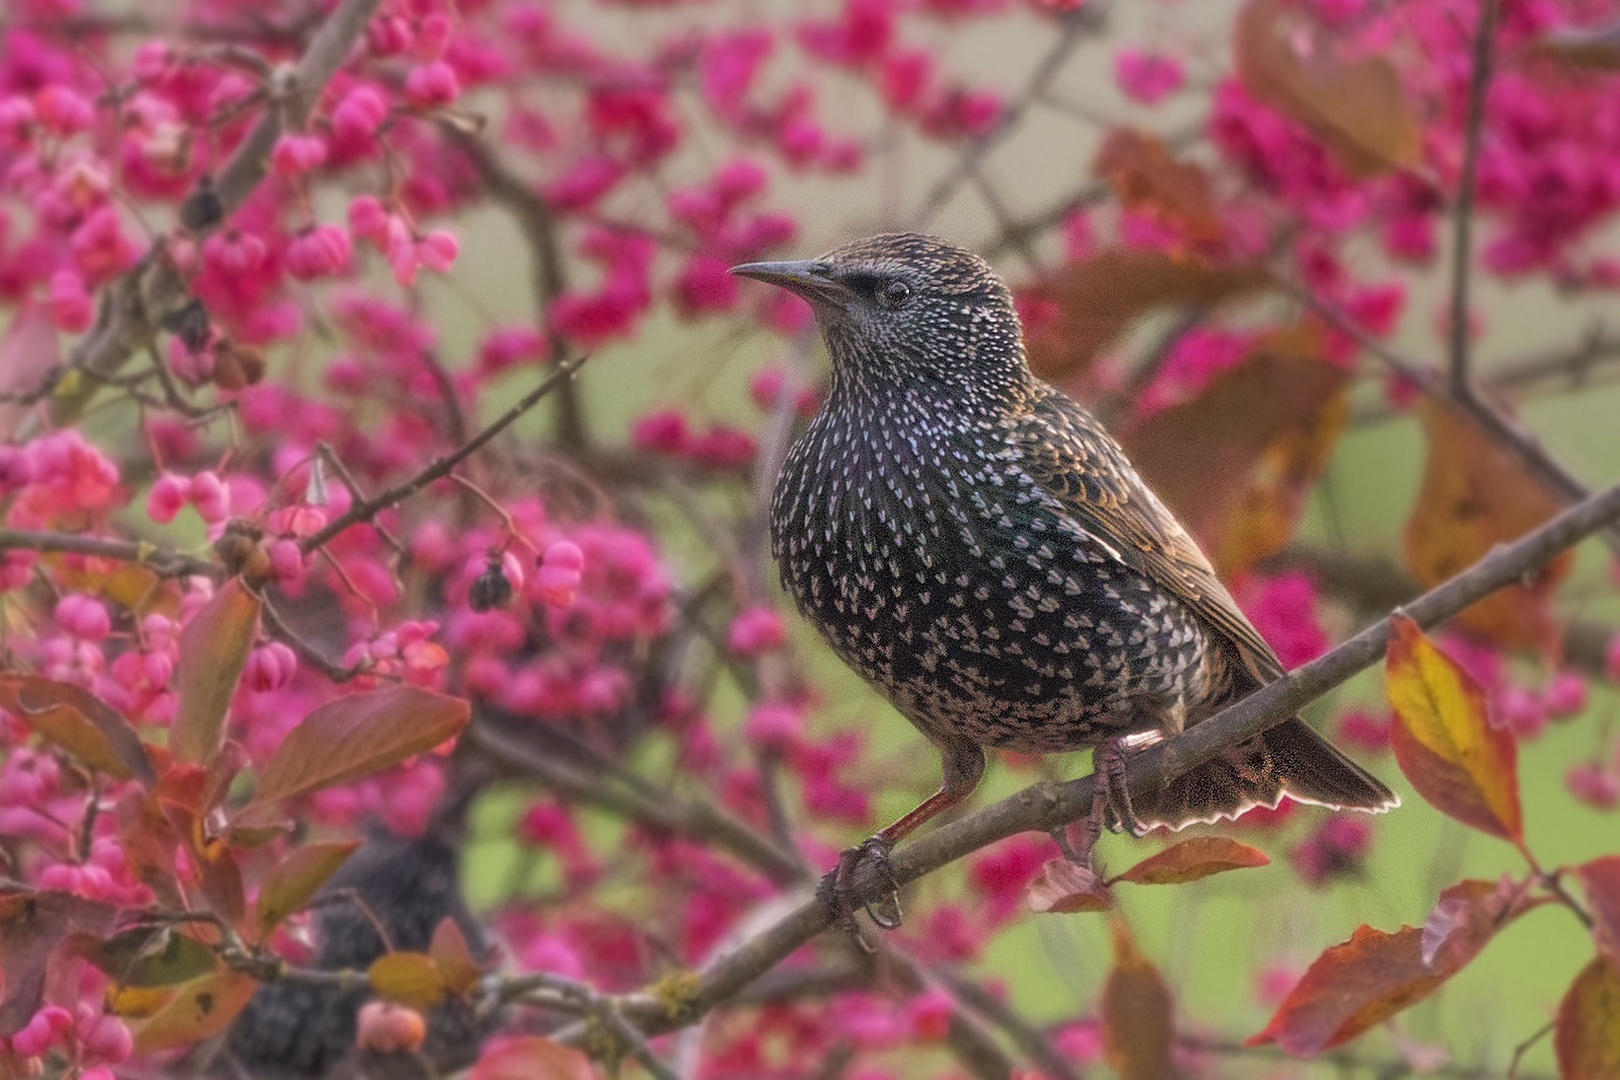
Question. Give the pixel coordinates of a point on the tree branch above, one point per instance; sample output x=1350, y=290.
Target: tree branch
x=366, y=509
x=1045, y=806
x=1462, y=242
x=162, y=562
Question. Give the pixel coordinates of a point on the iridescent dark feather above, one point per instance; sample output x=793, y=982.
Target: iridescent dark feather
x=974, y=544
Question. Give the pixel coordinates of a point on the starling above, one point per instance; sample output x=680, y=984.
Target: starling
x=975, y=545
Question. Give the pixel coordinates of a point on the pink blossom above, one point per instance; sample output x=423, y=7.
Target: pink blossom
x=1594, y=785
x=294, y=154
x=1283, y=609
x=905, y=77
x=100, y=247
x=773, y=725
x=560, y=573
x=1363, y=730
x=1336, y=848
x=1147, y=77
x=664, y=430
x=704, y=286
x=63, y=111
x=432, y=85
x=322, y=251
x=755, y=631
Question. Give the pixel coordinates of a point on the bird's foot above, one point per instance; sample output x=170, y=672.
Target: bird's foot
x=837, y=887
x=1109, y=795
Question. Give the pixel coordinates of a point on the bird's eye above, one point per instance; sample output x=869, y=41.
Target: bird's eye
x=893, y=294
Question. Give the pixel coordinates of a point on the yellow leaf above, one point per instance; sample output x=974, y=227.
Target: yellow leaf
x=409, y=978
x=1443, y=739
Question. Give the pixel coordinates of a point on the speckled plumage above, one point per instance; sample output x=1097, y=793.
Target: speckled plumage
x=973, y=543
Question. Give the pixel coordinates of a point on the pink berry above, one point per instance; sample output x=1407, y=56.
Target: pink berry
x=1611, y=659
x=169, y=493
x=757, y=630
x=322, y=251
x=359, y=115
x=106, y=1037
x=83, y=617
x=295, y=153
x=773, y=725
x=432, y=85
x=1594, y=785
x=1565, y=696
x=211, y=497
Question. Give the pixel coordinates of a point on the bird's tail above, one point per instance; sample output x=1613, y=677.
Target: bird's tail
x=1290, y=759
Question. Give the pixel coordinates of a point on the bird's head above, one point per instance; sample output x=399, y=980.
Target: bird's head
x=909, y=310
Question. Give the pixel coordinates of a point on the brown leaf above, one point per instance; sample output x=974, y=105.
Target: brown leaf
x=358, y=735
x=1192, y=859
x=1095, y=300
x=1593, y=47
x=1236, y=462
x=79, y=722
x=408, y=978
x=532, y=1057
x=1360, y=983
x=218, y=874
x=1138, y=1027
x=1586, y=1037
x=1149, y=181
x=453, y=957
x=1443, y=739
x=1476, y=496
x=1601, y=880
x=201, y=1008
x=1066, y=887
x=1358, y=108
x=213, y=649
x=31, y=926
x=295, y=879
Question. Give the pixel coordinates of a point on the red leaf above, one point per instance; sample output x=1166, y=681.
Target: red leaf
x=295, y=879
x=1065, y=887
x=213, y=648
x=31, y=926
x=453, y=957
x=79, y=722
x=1587, y=1035
x=1192, y=859
x=1443, y=739
x=1601, y=879
x=1357, y=984
x=532, y=1057
x=218, y=874
x=358, y=735
x=1137, y=1013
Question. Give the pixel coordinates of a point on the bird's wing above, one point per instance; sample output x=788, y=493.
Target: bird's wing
x=1069, y=455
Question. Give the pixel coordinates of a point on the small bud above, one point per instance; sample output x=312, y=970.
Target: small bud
x=203, y=208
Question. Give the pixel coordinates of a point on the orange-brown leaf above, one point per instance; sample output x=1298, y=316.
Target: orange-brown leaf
x=218, y=874
x=454, y=957
x=1066, y=887
x=408, y=978
x=1594, y=47
x=1236, y=462
x=1476, y=495
x=31, y=926
x=1357, y=107
x=1586, y=1036
x=1138, y=1015
x=1443, y=739
x=79, y=722
x=199, y=1009
x=1150, y=182
x=213, y=649
x=1601, y=880
x=295, y=879
x=1079, y=310
x=532, y=1057
x=1192, y=859
x=1358, y=984
x=358, y=735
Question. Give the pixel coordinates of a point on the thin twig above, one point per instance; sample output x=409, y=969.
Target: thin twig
x=366, y=509
x=1463, y=211
x=161, y=561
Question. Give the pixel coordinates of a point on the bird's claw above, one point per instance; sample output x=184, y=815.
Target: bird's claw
x=837, y=889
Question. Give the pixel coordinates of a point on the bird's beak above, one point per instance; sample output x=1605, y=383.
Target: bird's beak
x=809, y=278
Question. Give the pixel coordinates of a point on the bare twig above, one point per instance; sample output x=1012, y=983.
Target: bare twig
x=163, y=562
x=1075, y=24
x=1463, y=211
x=1029, y=1038
x=366, y=509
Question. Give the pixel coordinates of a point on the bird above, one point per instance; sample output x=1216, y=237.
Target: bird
x=973, y=543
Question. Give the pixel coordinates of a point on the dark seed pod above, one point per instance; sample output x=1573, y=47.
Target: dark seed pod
x=202, y=208
x=490, y=589
x=189, y=323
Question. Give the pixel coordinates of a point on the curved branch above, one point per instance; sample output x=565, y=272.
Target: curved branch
x=1045, y=806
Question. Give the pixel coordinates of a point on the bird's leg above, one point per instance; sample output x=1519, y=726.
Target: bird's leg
x=1108, y=792
x=964, y=765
